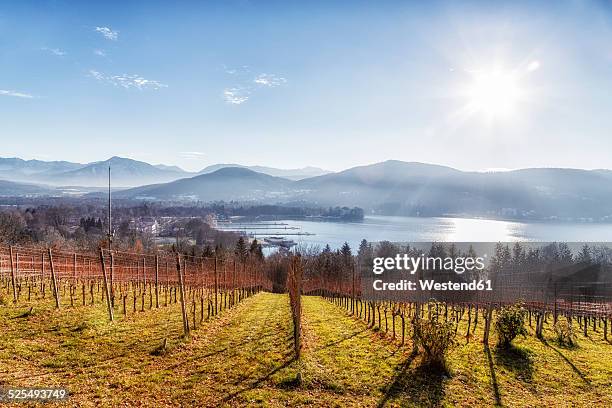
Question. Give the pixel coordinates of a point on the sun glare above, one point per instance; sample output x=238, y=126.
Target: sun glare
x=494, y=93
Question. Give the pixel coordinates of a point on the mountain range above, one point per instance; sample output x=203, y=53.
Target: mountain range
x=125, y=172
x=391, y=187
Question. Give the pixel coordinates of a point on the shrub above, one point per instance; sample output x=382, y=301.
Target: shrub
x=510, y=323
x=435, y=336
x=565, y=332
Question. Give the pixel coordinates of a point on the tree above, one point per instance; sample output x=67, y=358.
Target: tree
x=347, y=255
x=255, y=250
x=241, y=249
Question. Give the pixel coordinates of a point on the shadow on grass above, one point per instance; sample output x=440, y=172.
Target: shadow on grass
x=343, y=339
x=517, y=360
x=498, y=400
x=422, y=386
x=254, y=384
x=568, y=361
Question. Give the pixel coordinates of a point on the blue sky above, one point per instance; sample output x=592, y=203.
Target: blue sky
x=289, y=84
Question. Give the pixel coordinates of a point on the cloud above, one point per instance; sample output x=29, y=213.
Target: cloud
x=108, y=33
x=192, y=155
x=246, y=85
x=236, y=70
x=533, y=65
x=100, y=53
x=269, y=80
x=54, y=51
x=235, y=96
x=15, y=94
x=127, y=81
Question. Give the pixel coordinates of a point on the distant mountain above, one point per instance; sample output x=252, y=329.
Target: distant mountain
x=291, y=174
x=409, y=188
x=170, y=168
x=124, y=173
x=390, y=187
x=228, y=183
x=16, y=169
x=395, y=187
x=12, y=189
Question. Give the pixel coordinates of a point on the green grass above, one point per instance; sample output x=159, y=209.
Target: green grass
x=244, y=358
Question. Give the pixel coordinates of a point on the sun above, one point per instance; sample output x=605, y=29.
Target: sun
x=494, y=93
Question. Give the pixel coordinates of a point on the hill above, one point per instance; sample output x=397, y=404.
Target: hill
x=228, y=183
x=291, y=174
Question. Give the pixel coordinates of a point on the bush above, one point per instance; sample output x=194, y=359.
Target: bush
x=510, y=323
x=565, y=332
x=434, y=336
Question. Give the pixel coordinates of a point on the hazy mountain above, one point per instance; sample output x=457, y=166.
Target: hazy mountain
x=229, y=183
x=125, y=173
x=171, y=168
x=395, y=187
x=391, y=187
x=12, y=189
x=291, y=174
x=17, y=169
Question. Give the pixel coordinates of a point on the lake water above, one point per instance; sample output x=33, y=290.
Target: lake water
x=377, y=228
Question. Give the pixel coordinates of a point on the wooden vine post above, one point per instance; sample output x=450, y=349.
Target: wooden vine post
x=294, y=286
x=13, y=275
x=106, y=288
x=54, y=280
x=485, y=339
x=156, y=281
x=182, y=295
x=112, y=278
x=216, y=286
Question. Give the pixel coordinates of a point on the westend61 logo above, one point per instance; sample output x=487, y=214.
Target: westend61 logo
x=404, y=266
x=411, y=263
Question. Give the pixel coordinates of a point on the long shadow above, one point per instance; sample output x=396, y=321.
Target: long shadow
x=333, y=343
x=420, y=386
x=516, y=360
x=568, y=361
x=498, y=400
x=258, y=381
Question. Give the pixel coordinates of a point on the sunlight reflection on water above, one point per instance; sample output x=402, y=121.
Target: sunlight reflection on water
x=406, y=229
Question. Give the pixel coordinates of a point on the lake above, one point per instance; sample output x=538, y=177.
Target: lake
x=377, y=228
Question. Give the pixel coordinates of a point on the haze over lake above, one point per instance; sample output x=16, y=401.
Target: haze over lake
x=376, y=228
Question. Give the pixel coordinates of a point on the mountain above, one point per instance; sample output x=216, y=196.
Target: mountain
x=391, y=187
x=228, y=183
x=124, y=173
x=170, y=168
x=17, y=169
x=291, y=174
x=408, y=188
x=12, y=189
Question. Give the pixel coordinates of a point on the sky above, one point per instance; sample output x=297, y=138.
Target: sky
x=472, y=85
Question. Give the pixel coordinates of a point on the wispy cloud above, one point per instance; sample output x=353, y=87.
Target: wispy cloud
x=100, y=53
x=247, y=85
x=192, y=155
x=269, y=80
x=236, y=96
x=108, y=33
x=241, y=70
x=15, y=94
x=54, y=51
x=127, y=81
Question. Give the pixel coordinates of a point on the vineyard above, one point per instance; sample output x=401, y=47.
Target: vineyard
x=123, y=329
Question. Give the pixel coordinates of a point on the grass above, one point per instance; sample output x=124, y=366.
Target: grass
x=244, y=358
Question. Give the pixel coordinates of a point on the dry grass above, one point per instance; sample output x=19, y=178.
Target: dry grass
x=244, y=358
